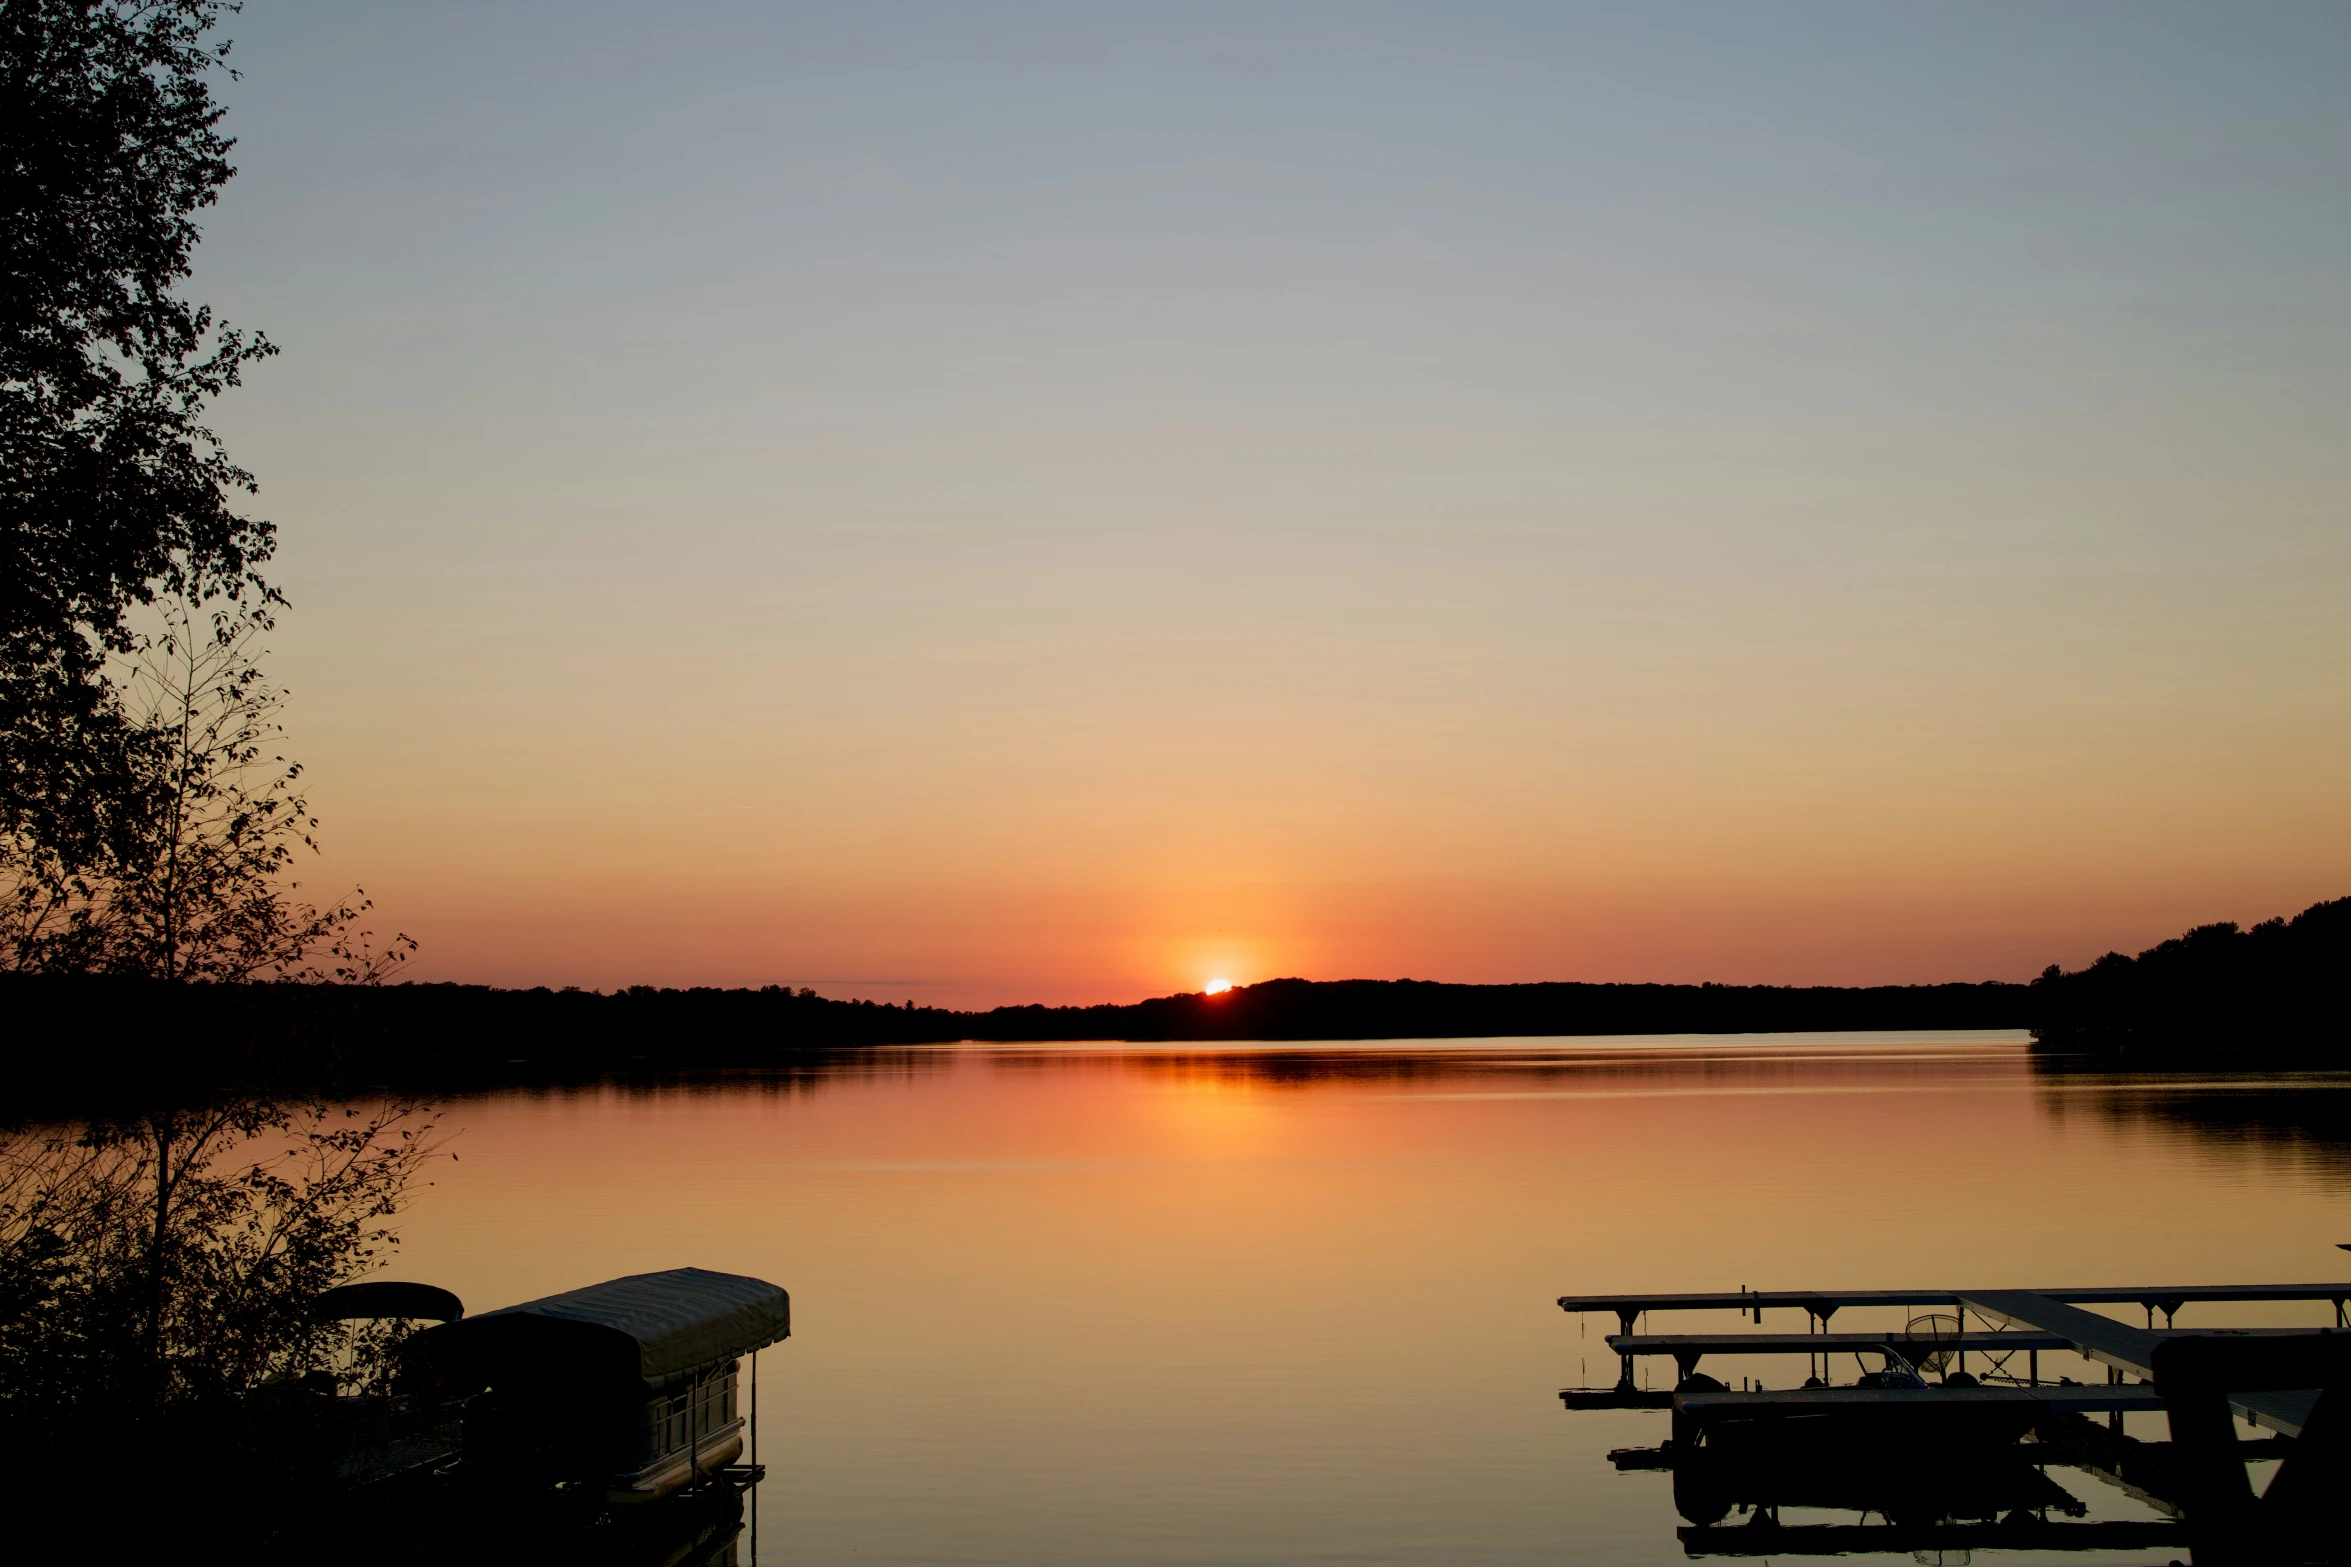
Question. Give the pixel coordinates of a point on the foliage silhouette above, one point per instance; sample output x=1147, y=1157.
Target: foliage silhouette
x=1409, y=1009
x=183, y=876
x=157, y=1283
x=159, y=1261
x=2280, y=990
x=112, y=489
x=436, y=1038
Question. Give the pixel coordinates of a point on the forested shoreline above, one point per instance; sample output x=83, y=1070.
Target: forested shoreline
x=75, y=1038
x=2279, y=991
x=2218, y=992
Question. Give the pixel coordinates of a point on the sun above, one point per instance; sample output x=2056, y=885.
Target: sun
x=1217, y=987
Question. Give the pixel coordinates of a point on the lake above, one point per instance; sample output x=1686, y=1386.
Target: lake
x=1294, y=1303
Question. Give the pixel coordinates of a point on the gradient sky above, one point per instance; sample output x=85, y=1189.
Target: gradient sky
x=999, y=502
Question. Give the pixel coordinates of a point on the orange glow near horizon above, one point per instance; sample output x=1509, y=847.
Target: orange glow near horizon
x=961, y=946
x=1217, y=987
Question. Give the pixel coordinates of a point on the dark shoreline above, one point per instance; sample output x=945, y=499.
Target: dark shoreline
x=2215, y=998
x=84, y=1040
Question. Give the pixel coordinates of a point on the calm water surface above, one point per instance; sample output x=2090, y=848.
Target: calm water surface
x=1294, y=1303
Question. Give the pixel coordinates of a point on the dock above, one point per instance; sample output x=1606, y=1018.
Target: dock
x=2077, y=1398
x=2131, y=1350
x=1688, y=1349
x=2038, y=1320
x=1832, y=1539
x=1737, y=1445
x=1820, y=1305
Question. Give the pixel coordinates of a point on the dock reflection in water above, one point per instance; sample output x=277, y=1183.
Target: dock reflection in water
x=1294, y=1302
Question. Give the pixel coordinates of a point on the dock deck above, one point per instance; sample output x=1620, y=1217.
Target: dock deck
x=1814, y=1539
x=1823, y=1304
x=1680, y=1344
x=1687, y=1349
x=2078, y=1399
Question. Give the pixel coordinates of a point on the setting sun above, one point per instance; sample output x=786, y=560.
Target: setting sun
x=1217, y=987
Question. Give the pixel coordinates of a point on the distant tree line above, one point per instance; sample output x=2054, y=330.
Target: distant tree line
x=2279, y=988
x=178, y=1040
x=1283, y=1009
x=2282, y=989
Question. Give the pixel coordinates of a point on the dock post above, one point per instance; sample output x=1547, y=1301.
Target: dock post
x=1626, y=1321
x=693, y=1428
x=755, y=1458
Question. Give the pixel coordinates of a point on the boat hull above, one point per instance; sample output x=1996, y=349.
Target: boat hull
x=672, y=1472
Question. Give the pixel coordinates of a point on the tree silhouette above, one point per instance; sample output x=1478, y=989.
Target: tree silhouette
x=112, y=489
x=159, y=1282
x=2277, y=990
x=181, y=874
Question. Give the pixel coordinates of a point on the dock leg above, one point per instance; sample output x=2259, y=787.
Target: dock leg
x=2032, y=1361
x=755, y=1455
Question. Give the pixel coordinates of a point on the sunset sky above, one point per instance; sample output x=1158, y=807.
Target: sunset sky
x=979, y=503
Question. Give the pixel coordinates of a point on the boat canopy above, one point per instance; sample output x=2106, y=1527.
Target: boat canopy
x=648, y=1325
x=386, y=1298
